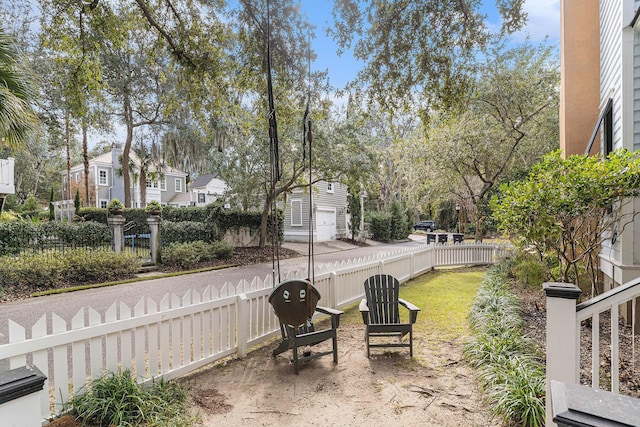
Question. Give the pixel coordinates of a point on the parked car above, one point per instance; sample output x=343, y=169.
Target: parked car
x=427, y=226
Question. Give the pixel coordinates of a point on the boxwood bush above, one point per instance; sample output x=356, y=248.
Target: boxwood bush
x=49, y=270
x=188, y=254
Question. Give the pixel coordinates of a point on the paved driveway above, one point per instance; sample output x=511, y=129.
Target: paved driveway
x=66, y=305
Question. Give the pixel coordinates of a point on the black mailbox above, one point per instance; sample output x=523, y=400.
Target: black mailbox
x=578, y=405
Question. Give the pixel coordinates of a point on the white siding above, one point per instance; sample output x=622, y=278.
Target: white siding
x=611, y=61
x=636, y=132
x=636, y=87
x=620, y=79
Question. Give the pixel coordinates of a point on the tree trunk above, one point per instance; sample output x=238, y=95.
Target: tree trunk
x=126, y=178
x=143, y=185
x=67, y=137
x=85, y=157
x=264, y=223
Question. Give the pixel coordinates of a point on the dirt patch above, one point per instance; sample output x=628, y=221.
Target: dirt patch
x=435, y=388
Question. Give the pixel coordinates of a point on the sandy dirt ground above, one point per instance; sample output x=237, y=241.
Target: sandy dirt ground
x=435, y=388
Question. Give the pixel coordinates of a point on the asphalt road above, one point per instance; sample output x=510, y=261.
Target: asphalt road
x=66, y=305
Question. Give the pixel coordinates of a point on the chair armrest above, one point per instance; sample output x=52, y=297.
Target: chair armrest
x=364, y=311
x=335, y=315
x=330, y=311
x=413, y=310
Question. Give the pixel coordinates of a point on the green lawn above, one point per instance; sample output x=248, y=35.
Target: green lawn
x=445, y=297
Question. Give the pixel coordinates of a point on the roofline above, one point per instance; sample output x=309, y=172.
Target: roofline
x=636, y=19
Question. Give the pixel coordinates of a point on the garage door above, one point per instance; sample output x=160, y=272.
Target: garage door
x=325, y=224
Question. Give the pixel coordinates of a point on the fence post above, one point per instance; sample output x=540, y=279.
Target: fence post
x=154, y=238
x=562, y=337
x=333, y=290
x=243, y=325
x=412, y=266
x=116, y=222
x=21, y=391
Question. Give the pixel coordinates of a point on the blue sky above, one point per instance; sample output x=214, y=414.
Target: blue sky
x=544, y=20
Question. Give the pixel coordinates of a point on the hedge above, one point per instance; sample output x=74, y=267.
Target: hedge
x=18, y=236
x=38, y=271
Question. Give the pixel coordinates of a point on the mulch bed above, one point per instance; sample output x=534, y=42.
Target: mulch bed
x=534, y=313
x=241, y=256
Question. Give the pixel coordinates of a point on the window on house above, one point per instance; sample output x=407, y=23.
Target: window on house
x=330, y=187
x=102, y=177
x=178, y=186
x=296, y=213
x=604, y=128
x=103, y=203
x=163, y=184
x=201, y=198
x=607, y=129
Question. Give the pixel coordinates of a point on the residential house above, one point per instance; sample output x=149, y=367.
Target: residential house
x=330, y=217
x=7, y=185
x=206, y=189
x=600, y=44
x=164, y=184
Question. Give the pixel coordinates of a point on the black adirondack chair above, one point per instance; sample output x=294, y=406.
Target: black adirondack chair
x=381, y=316
x=295, y=302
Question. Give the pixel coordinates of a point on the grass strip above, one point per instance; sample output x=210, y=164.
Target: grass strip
x=509, y=369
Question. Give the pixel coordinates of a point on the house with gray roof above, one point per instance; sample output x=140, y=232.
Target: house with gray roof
x=330, y=219
x=164, y=183
x=206, y=189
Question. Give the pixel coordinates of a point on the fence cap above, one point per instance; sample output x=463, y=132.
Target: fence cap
x=20, y=382
x=579, y=405
x=561, y=290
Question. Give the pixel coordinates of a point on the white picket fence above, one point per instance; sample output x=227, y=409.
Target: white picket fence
x=176, y=335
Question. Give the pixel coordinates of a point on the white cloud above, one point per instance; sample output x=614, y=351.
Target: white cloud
x=543, y=20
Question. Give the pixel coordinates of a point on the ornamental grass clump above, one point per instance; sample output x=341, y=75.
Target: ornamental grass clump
x=509, y=369
x=116, y=399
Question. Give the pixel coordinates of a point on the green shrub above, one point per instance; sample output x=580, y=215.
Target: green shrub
x=222, y=249
x=31, y=272
x=15, y=236
x=86, y=266
x=379, y=226
x=118, y=399
x=528, y=270
x=184, y=255
x=48, y=270
x=187, y=255
x=185, y=231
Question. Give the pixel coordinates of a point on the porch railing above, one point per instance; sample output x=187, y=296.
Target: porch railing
x=568, y=325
